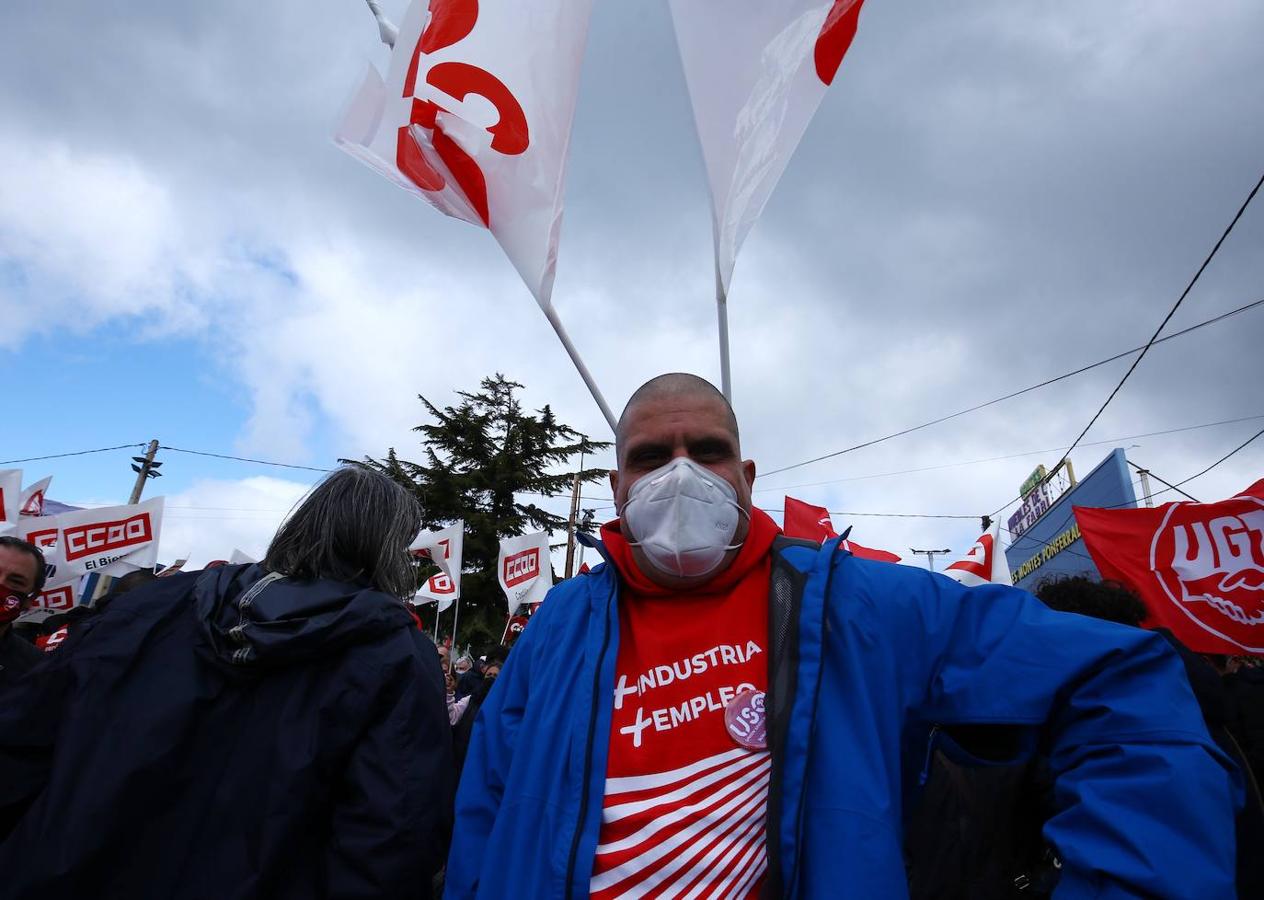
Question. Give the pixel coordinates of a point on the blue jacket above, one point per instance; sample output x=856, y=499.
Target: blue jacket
x=198, y=740
x=874, y=653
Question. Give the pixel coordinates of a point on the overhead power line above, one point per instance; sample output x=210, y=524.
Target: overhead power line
x=978, y=406
x=260, y=462
x=1231, y=453
x=75, y=453
x=1171, y=312
x=972, y=462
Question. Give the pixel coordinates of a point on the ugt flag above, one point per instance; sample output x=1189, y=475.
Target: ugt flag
x=756, y=72
x=474, y=116
x=1198, y=567
x=984, y=563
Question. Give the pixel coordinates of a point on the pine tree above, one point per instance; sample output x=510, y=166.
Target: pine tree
x=484, y=459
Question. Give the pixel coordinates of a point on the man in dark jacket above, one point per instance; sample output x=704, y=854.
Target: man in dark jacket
x=259, y=731
x=21, y=580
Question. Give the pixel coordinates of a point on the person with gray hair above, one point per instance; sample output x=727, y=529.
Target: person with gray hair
x=271, y=730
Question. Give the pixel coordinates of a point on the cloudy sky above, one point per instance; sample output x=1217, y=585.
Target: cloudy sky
x=991, y=194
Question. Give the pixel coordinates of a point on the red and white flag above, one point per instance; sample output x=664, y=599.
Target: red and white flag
x=756, y=72
x=445, y=548
x=10, y=497
x=33, y=497
x=513, y=629
x=1198, y=567
x=862, y=552
x=803, y=520
x=525, y=570
x=474, y=116
x=111, y=540
x=985, y=562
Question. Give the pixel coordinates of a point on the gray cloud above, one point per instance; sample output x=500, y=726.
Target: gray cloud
x=990, y=194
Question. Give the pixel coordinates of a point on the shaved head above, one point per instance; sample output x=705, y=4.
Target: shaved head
x=673, y=386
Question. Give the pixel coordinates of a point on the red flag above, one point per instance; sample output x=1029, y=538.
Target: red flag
x=513, y=628
x=1198, y=567
x=870, y=553
x=803, y=520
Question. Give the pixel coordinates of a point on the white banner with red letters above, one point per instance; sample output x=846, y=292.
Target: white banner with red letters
x=10, y=498
x=756, y=71
x=525, y=570
x=33, y=497
x=59, y=597
x=474, y=116
x=444, y=547
x=985, y=562
x=112, y=540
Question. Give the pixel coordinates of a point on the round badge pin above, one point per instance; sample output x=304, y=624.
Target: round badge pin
x=745, y=720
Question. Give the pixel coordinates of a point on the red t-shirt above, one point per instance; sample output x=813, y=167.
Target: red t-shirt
x=684, y=809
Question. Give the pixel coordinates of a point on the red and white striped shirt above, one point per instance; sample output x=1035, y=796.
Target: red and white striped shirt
x=685, y=806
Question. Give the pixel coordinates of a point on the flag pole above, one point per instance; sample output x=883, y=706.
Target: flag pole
x=456, y=615
x=722, y=314
x=551, y=314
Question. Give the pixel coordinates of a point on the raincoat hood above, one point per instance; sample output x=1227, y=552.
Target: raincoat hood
x=253, y=618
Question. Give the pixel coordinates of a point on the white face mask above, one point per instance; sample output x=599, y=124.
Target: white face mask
x=683, y=517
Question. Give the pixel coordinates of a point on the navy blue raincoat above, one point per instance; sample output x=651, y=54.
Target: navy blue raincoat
x=202, y=740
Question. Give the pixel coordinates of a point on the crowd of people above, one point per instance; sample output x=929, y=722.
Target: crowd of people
x=715, y=711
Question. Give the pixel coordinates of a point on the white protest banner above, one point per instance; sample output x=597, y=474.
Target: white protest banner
x=32, y=503
x=524, y=570
x=756, y=73
x=445, y=548
x=10, y=496
x=112, y=540
x=59, y=597
x=240, y=557
x=474, y=117
x=985, y=563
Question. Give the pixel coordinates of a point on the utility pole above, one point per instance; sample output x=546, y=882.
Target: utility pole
x=145, y=469
x=930, y=555
x=570, y=528
x=589, y=514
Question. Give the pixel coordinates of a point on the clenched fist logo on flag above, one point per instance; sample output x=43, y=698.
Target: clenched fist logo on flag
x=1199, y=567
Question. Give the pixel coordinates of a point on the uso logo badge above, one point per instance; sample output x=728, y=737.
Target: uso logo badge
x=1211, y=567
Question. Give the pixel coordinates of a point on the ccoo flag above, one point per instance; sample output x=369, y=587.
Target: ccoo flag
x=1198, y=567
x=756, y=72
x=474, y=116
x=984, y=563
x=524, y=569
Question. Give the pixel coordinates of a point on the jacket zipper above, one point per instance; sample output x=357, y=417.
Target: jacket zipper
x=592, y=728
x=793, y=882
x=930, y=750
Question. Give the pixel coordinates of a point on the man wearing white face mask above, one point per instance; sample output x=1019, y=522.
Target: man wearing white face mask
x=720, y=712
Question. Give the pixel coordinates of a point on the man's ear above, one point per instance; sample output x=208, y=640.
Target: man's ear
x=614, y=482
x=748, y=472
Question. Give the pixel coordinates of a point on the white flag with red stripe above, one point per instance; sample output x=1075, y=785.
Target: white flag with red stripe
x=756, y=72
x=10, y=497
x=111, y=540
x=33, y=497
x=985, y=562
x=474, y=116
x=444, y=547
